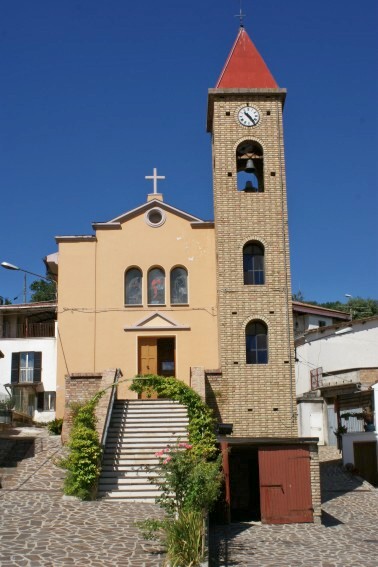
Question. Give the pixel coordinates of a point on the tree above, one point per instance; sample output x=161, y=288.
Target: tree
x=358, y=307
x=43, y=290
x=361, y=308
x=298, y=296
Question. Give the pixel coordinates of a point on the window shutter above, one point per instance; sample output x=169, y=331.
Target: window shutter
x=40, y=401
x=15, y=372
x=37, y=367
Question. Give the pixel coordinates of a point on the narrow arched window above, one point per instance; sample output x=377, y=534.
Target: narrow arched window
x=253, y=264
x=179, y=285
x=250, y=167
x=256, y=343
x=156, y=286
x=133, y=286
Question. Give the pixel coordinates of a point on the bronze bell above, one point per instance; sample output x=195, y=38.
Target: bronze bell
x=250, y=166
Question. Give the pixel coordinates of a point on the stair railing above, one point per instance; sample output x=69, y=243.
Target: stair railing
x=117, y=376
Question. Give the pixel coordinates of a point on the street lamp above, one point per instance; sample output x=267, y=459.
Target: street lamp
x=351, y=310
x=9, y=266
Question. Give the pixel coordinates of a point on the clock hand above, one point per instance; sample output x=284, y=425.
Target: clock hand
x=250, y=117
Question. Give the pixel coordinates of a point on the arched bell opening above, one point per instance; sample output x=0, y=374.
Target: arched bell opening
x=250, y=167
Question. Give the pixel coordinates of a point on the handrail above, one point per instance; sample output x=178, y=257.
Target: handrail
x=117, y=375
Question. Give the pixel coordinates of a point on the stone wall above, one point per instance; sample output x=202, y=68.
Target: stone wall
x=315, y=482
x=80, y=388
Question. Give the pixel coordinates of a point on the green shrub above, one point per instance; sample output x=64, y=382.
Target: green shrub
x=55, y=426
x=182, y=537
x=84, y=458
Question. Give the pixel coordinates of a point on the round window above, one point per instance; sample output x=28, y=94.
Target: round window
x=155, y=217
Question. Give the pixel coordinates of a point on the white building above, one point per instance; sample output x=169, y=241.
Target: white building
x=28, y=368
x=336, y=367
x=307, y=317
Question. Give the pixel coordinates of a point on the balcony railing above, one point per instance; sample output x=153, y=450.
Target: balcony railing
x=30, y=330
x=26, y=374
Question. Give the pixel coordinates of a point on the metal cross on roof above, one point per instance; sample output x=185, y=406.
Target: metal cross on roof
x=155, y=178
x=240, y=15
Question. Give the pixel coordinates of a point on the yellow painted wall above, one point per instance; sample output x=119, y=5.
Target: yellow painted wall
x=92, y=315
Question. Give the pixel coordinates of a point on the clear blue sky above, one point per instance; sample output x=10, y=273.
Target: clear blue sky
x=95, y=94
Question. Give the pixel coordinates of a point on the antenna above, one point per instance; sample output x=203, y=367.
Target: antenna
x=240, y=15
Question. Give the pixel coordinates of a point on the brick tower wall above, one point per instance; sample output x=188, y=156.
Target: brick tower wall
x=259, y=399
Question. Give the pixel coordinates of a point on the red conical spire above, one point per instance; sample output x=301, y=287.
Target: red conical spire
x=245, y=68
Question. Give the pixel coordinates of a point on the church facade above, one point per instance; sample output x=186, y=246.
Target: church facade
x=157, y=290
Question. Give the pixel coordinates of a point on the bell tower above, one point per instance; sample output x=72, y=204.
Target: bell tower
x=253, y=269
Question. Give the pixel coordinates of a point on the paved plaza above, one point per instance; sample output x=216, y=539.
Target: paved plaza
x=348, y=536
x=39, y=528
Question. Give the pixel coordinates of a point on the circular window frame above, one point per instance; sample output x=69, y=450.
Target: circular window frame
x=155, y=210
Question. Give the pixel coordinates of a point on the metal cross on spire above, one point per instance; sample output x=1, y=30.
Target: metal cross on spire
x=240, y=15
x=155, y=178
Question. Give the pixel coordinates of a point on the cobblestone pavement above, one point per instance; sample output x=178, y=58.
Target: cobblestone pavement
x=347, y=537
x=38, y=528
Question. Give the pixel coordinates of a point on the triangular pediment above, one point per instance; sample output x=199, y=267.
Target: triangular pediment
x=141, y=210
x=157, y=321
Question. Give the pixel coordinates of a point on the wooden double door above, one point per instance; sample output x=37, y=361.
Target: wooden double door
x=157, y=355
x=270, y=483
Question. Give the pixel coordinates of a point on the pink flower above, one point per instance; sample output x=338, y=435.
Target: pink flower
x=185, y=445
x=159, y=454
x=166, y=461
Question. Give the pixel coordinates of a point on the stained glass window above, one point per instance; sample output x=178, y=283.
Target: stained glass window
x=133, y=287
x=179, y=285
x=156, y=287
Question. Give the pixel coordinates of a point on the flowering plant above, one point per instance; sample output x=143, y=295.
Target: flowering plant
x=186, y=480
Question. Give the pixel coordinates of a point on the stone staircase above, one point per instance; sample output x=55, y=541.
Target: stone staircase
x=137, y=430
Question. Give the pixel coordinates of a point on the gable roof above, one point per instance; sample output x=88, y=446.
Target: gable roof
x=117, y=221
x=310, y=309
x=245, y=68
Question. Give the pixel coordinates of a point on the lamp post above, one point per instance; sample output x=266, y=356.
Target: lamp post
x=9, y=266
x=350, y=310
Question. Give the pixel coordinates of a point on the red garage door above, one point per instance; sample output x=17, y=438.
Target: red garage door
x=285, y=485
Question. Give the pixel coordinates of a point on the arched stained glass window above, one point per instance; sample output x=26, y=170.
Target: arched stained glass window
x=133, y=287
x=156, y=286
x=253, y=264
x=179, y=285
x=256, y=343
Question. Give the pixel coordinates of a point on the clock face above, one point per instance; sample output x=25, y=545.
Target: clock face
x=248, y=116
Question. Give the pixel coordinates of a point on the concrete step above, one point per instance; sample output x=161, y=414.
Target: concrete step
x=139, y=429
x=149, y=434
x=130, y=481
x=114, y=492
x=115, y=497
x=132, y=461
x=152, y=402
x=133, y=451
x=154, y=418
x=149, y=419
x=153, y=442
x=148, y=427
x=130, y=473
